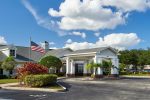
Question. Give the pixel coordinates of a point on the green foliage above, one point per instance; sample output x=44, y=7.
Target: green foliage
x=93, y=65
x=0, y=65
x=137, y=57
x=8, y=64
x=90, y=66
x=30, y=69
x=40, y=80
x=92, y=76
x=122, y=67
x=60, y=74
x=3, y=77
x=107, y=65
x=51, y=62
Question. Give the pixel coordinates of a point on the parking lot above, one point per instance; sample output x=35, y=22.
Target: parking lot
x=123, y=89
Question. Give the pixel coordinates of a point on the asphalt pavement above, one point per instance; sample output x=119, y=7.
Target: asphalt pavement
x=87, y=91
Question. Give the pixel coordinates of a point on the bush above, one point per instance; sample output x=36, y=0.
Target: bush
x=61, y=74
x=40, y=80
x=3, y=77
x=123, y=73
x=51, y=62
x=92, y=76
x=31, y=68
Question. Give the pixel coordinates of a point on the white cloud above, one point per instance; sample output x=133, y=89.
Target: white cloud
x=69, y=41
x=97, y=34
x=119, y=41
x=82, y=34
x=2, y=40
x=96, y=14
x=53, y=48
x=128, y=5
x=51, y=43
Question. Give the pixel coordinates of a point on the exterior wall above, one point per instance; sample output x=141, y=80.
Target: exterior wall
x=107, y=52
x=6, y=73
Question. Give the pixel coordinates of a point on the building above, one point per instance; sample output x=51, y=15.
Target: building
x=74, y=61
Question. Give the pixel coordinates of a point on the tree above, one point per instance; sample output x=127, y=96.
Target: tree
x=93, y=66
x=8, y=64
x=107, y=65
x=51, y=62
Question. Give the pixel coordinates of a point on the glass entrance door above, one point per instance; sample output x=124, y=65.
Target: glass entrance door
x=79, y=69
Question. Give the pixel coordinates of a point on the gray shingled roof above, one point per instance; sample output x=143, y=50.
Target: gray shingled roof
x=2, y=56
x=88, y=50
x=3, y=46
x=58, y=52
x=22, y=54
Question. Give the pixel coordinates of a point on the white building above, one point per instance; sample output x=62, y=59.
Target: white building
x=74, y=61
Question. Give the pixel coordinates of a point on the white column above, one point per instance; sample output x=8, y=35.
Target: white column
x=95, y=61
x=67, y=66
x=72, y=71
x=115, y=62
x=85, y=70
x=99, y=70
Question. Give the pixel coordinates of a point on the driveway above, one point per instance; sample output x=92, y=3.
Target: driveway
x=124, y=89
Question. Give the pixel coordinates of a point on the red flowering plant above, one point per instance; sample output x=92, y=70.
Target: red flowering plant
x=29, y=69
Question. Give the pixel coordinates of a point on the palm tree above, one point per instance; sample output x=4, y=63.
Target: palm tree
x=93, y=67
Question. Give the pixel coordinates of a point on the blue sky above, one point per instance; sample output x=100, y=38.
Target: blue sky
x=68, y=25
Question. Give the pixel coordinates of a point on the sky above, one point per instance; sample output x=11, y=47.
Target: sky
x=76, y=24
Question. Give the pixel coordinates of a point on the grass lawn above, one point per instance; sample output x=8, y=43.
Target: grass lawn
x=137, y=75
x=4, y=81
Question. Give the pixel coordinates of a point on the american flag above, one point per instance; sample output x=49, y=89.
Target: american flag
x=36, y=47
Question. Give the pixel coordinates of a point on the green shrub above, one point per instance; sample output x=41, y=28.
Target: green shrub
x=61, y=74
x=51, y=62
x=123, y=73
x=92, y=76
x=3, y=77
x=40, y=80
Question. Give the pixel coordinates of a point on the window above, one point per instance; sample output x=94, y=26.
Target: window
x=12, y=53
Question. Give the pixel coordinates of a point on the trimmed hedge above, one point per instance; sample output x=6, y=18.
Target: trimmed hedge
x=3, y=77
x=40, y=80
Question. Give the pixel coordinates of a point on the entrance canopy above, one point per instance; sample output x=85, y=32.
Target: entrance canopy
x=83, y=57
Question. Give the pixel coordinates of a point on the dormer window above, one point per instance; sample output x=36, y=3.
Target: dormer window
x=13, y=53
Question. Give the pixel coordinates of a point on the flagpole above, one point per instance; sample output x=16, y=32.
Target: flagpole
x=30, y=51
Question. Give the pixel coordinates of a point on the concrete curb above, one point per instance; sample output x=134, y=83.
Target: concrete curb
x=9, y=87
x=65, y=89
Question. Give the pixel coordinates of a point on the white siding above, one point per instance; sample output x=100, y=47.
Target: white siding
x=107, y=52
